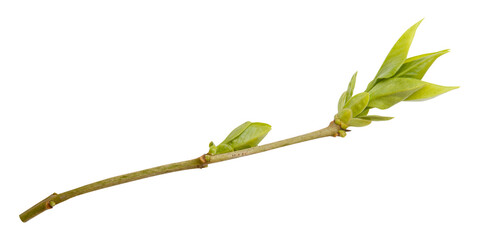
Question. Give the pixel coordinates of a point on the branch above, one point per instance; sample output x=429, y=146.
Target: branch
x=200, y=162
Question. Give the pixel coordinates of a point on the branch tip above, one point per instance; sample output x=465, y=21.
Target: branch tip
x=38, y=208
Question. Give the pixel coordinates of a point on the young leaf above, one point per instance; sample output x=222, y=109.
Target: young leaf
x=375, y=118
x=345, y=115
x=358, y=122
x=396, y=56
x=429, y=91
x=251, y=137
x=391, y=91
x=416, y=67
x=357, y=103
x=364, y=112
x=223, y=148
x=351, y=86
x=237, y=131
x=347, y=94
x=341, y=101
x=244, y=136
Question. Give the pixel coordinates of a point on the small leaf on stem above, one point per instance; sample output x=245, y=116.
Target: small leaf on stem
x=344, y=116
x=341, y=101
x=375, y=118
x=358, y=103
x=244, y=136
x=351, y=86
x=358, y=122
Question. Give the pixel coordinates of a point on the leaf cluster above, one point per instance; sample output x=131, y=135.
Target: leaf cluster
x=398, y=79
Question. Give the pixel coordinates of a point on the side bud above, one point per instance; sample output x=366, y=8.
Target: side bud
x=343, y=118
x=244, y=136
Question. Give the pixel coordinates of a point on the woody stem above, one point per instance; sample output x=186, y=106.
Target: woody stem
x=200, y=162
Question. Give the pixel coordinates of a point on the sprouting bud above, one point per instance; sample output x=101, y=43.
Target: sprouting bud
x=244, y=136
x=337, y=120
x=345, y=115
x=343, y=118
x=398, y=79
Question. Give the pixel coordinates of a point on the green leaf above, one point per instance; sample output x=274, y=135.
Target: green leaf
x=416, y=67
x=347, y=94
x=392, y=91
x=364, y=112
x=345, y=115
x=357, y=103
x=237, y=131
x=341, y=101
x=396, y=56
x=251, y=137
x=223, y=148
x=244, y=136
x=429, y=91
x=351, y=86
x=375, y=118
x=358, y=122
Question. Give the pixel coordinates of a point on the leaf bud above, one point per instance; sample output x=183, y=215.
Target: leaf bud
x=337, y=120
x=244, y=136
x=345, y=115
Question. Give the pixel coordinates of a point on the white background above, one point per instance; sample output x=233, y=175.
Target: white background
x=94, y=89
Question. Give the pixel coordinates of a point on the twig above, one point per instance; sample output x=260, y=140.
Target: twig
x=200, y=162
